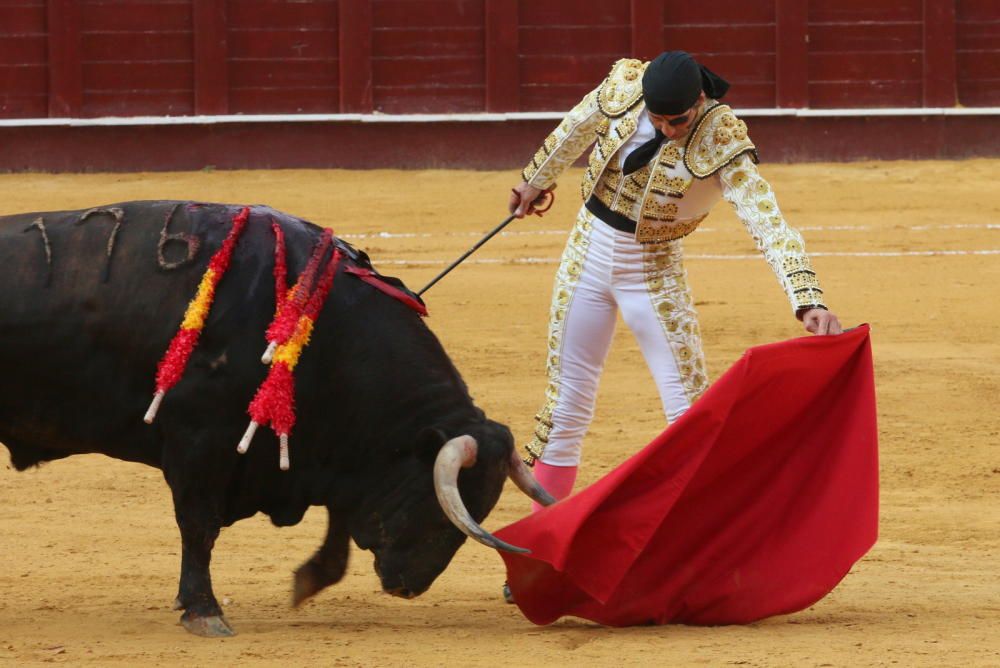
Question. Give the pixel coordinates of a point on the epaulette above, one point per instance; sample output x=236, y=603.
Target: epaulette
x=716, y=141
x=623, y=87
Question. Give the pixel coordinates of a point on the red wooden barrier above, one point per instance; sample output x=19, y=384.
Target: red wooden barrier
x=175, y=57
x=95, y=58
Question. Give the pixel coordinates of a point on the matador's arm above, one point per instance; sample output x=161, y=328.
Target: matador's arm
x=565, y=144
x=753, y=199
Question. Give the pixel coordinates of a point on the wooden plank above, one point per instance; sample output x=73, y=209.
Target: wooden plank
x=869, y=66
x=427, y=71
x=733, y=12
x=791, y=85
x=24, y=79
x=280, y=74
x=135, y=15
x=283, y=44
x=137, y=77
x=584, y=71
x=501, y=50
x=428, y=13
x=745, y=38
x=355, y=24
x=977, y=36
x=647, y=29
x=429, y=100
x=22, y=20
x=284, y=101
x=564, y=13
x=461, y=41
x=614, y=42
x=979, y=66
x=271, y=15
x=894, y=93
x=856, y=11
x=23, y=105
x=211, y=70
x=65, y=69
x=978, y=10
x=138, y=103
x=24, y=50
x=135, y=47
x=907, y=36
x=940, y=73
x=979, y=93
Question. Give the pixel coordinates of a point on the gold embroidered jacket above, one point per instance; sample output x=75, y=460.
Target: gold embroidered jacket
x=669, y=197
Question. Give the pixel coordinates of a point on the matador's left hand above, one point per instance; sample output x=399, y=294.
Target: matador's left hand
x=821, y=322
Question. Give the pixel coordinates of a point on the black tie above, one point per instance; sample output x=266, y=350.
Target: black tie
x=641, y=156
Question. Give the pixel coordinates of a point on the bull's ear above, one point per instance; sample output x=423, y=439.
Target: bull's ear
x=428, y=443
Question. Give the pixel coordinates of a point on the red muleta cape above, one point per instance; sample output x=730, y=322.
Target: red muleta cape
x=755, y=503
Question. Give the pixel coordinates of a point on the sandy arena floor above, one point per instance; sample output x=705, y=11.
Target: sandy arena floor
x=89, y=552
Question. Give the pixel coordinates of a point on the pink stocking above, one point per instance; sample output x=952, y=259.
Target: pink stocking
x=557, y=481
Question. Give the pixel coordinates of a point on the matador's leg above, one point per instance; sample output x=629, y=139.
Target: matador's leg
x=657, y=306
x=581, y=324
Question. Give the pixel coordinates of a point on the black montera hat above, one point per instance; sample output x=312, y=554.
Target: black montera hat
x=674, y=80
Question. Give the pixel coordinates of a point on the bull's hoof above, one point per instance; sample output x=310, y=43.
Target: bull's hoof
x=306, y=585
x=207, y=627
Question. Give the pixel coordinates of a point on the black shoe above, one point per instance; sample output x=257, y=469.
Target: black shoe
x=508, y=597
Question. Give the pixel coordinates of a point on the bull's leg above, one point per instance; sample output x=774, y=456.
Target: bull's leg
x=327, y=566
x=199, y=524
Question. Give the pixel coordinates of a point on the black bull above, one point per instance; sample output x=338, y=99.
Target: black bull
x=91, y=300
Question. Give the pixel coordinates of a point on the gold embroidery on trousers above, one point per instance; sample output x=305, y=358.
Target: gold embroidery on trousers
x=567, y=278
x=670, y=296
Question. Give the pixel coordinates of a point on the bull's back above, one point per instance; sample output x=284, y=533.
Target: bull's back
x=93, y=298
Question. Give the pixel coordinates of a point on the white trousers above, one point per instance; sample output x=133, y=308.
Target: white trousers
x=604, y=270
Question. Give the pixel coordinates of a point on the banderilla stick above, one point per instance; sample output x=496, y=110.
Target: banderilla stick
x=546, y=198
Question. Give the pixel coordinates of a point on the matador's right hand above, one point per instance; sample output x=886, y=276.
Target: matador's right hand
x=522, y=199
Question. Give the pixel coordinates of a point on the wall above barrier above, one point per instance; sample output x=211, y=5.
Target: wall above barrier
x=86, y=59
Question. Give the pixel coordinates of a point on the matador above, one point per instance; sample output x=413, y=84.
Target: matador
x=665, y=151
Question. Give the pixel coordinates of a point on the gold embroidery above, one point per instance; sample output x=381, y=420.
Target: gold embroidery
x=625, y=127
x=656, y=211
x=782, y=246
x=574, y=134
x=666, y=284
x=650, y=230
x=670, y=155
x=567, y=277
x=673, y=186
x=718, y=138
x=632, y=191
x=622, y=89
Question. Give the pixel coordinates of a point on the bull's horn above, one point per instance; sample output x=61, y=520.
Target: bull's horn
x=456, y=454
x=525, y=481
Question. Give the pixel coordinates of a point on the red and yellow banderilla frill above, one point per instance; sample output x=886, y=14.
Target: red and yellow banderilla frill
x=174, y=361
x=274, y=402
x=289, y=306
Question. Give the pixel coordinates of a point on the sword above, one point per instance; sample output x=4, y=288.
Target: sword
x=540, y=205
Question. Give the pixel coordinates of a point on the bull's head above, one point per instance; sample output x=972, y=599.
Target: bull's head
x=411, y=529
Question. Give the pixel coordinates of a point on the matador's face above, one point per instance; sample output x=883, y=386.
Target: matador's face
x=677, y=126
